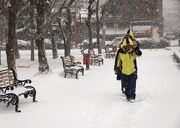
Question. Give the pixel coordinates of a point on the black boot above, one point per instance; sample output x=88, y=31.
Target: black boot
x=128, y=98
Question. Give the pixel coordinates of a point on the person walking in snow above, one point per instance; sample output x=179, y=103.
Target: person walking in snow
x=125, y=63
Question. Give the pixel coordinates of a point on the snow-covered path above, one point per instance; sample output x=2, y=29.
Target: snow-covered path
x=95, y=100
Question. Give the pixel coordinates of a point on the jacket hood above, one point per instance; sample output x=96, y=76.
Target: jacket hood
x=128, y=39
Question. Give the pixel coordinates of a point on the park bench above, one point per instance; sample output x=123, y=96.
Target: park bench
x=109, y=52
x=96, y=59
x=71, y=66
x=11, y=88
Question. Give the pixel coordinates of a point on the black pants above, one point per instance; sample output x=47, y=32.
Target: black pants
x=129, y=83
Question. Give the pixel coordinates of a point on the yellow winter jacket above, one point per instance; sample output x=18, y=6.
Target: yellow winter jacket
x=127, y=62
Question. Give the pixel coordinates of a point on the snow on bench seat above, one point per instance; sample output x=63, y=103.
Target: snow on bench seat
x=20, y=90
x=71, y=66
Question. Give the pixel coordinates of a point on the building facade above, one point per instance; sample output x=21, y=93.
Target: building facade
x=123, y=14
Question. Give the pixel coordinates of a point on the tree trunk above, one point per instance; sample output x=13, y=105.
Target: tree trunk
x=104, y=34
x=2, y=33
x=90, y=36
x=98, y=27
x=75, y=27
x=54, y=46
x=0, y=56
x=31, y=13
x=62, y=30
x=67, y=44
x=10, y=46
x=32, y=49
x=88, y=23
x=43, y=64
x=17, y=55
x=59, y=22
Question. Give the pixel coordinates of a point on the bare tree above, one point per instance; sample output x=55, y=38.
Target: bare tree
x=51, y=28
x=43, y=64
x=4, y=20
x=100, y=22
x=88, y=22
x=13, y=7
x=53, y=42
x=54, y=45
x=17, y=54
x=32, y=27
x=59, y=20
x=3, y=33
x=103, y=12
x=66, y=26
x=68, y=31
x=98, y=27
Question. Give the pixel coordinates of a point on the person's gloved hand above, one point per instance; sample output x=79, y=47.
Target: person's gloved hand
x=136, y=45
x=115, y=69
x=136, y=50
x=119, y=71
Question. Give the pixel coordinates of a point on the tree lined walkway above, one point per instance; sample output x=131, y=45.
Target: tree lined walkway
x=95, y=100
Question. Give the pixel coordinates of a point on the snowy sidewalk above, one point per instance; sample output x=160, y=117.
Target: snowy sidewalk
x=176, y=53
x=95, y=99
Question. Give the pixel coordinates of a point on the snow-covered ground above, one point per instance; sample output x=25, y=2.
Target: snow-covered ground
x=95, y=99
x=174, y=43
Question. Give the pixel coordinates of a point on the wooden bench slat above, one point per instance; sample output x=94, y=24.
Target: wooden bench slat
x=8, y=82
x=7, y=76
x=7, y=72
